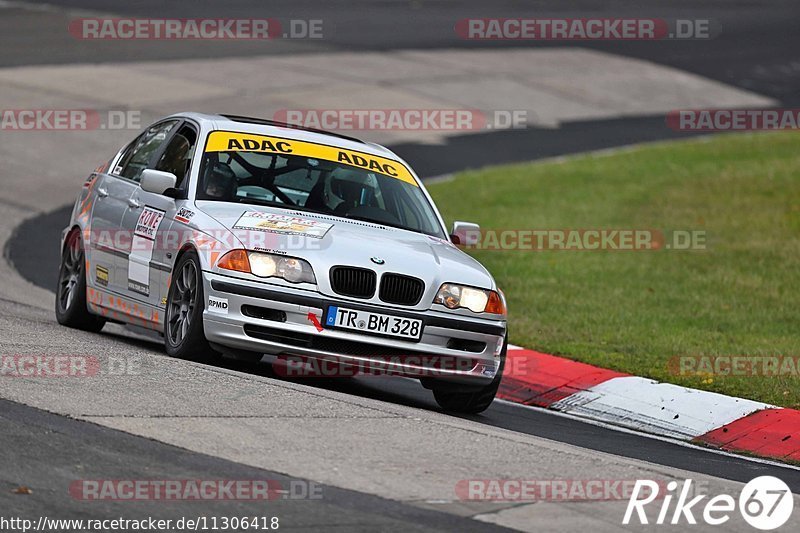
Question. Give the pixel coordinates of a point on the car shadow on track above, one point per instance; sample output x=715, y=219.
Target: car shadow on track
x=396, y=390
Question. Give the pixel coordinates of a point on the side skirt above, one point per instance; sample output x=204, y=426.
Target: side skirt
x=121, y=309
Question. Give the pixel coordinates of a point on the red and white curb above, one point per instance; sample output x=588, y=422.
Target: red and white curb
x=614, y=398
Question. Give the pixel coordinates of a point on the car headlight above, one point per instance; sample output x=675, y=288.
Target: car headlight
x=454, y=296
x=263, y=265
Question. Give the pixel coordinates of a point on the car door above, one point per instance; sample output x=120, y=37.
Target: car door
x=129, y=170
x=151, y=220
x=106, y=246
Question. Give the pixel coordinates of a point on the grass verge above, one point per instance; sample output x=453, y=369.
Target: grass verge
x=642, y=311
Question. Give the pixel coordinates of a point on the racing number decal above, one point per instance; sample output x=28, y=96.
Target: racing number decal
x=224, y=141
x=144, y=237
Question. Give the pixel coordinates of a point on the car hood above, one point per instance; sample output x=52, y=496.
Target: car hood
x=338, y=241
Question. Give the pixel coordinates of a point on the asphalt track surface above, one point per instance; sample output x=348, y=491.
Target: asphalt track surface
x=756, y=48
x=34, y=434
x=758, y=51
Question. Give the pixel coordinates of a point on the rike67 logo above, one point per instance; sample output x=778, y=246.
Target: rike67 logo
x=766, y=503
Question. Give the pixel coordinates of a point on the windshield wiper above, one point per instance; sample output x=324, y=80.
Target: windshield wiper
x=259, y=201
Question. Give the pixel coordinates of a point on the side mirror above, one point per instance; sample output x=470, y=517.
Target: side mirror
x=156, y=181
x=465, y=233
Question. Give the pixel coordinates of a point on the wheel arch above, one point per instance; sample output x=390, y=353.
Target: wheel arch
x=186, y=248
x=69, y=231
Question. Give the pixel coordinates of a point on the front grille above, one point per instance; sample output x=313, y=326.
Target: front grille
x=401, y=290
x=353, y=282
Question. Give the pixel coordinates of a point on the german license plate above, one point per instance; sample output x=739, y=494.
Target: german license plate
x=373, y=323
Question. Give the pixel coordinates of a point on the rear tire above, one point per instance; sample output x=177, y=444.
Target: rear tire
x=183, y=322
x=472, y=402
x=71, y=309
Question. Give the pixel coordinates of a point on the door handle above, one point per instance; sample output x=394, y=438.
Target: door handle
x=101, y=192
x=134, y=204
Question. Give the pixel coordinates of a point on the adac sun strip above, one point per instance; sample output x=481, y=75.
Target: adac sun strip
x=224, y=141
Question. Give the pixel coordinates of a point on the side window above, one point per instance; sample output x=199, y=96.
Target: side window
x=126, y=155
x=177, y=157
x=137, y=156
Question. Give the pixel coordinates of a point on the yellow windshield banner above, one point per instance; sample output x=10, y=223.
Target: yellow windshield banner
x=225, y=141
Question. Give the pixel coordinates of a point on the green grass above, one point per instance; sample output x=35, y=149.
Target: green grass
x=634, y=310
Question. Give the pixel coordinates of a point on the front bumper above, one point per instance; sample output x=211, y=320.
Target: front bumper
x=274, y=320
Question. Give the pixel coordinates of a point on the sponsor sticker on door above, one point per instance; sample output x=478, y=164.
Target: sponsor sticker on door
x=148, y=223
x=144, y=237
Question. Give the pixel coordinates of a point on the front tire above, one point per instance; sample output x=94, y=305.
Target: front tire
x=472, y=402
x=183, y=324
x=71, y=309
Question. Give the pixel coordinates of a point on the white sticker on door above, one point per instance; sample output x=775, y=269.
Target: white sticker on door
x=144, y=236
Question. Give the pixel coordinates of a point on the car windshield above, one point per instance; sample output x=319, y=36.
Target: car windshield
x=314, y=184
